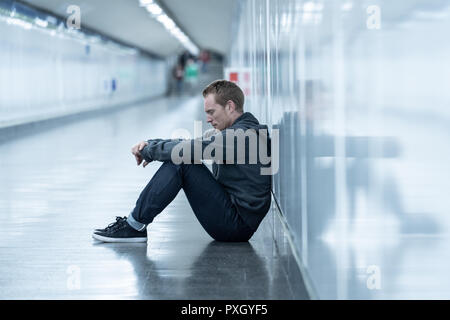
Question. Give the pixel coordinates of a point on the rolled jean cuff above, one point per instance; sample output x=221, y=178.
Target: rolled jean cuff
x=135, y=224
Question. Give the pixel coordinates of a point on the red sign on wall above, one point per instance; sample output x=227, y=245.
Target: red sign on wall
x=234, y=77
x=240, y=76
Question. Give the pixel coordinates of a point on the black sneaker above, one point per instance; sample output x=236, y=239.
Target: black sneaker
x=120, y=231
x=110, y=225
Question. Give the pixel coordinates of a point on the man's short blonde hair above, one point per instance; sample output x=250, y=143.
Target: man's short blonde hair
x=223, y=91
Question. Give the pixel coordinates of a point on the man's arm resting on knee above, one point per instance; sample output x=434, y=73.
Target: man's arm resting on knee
x=159, y=149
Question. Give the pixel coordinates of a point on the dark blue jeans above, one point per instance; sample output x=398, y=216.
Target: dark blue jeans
x=208, y=199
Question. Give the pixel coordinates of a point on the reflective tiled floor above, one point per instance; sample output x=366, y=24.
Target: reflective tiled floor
x=58, y=184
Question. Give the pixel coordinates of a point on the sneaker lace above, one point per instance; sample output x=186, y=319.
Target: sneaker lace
x=114, y=225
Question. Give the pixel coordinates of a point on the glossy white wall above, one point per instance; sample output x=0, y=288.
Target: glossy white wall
x=47, y=72
x=359, y=93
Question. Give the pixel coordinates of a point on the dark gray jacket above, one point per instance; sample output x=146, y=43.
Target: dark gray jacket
x=238, y=163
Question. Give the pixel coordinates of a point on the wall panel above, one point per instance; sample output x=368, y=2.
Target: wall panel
x=359, y=93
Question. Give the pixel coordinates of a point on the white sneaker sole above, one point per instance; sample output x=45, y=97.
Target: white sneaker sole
x=107, y=239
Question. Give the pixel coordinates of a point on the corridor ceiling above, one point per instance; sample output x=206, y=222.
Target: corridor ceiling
x=206, y=22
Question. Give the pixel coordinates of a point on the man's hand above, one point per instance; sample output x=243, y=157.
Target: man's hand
x=136, y=152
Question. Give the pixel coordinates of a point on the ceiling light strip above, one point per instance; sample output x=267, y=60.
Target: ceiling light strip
x=158, y=13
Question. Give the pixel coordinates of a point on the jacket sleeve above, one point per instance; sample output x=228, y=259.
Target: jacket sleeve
x=159, y=149
x=190, y=151
x=220, y=146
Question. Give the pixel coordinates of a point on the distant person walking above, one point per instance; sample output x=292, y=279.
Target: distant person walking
x=204, y=58
x=191, y=75
x=183, y=58
x=178, y=74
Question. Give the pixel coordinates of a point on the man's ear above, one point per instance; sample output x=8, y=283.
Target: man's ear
x=231, y=105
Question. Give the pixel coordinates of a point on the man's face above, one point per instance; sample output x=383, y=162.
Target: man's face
x=217, y=115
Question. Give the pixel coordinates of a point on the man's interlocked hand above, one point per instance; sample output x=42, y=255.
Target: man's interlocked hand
x=136, y=151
